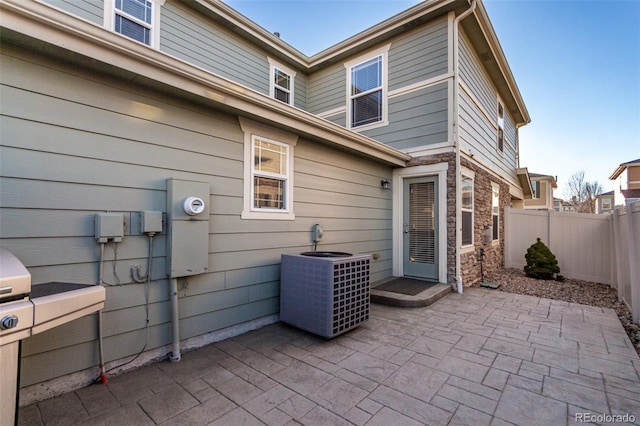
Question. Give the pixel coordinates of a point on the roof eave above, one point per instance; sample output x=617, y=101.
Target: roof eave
x=484, y=22
x=388, y=26
x=38, y=21
x=525, y=182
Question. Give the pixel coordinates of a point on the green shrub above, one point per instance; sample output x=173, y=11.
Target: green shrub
x=541, y=263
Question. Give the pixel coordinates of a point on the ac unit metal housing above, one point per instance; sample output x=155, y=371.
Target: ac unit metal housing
x=326, y=296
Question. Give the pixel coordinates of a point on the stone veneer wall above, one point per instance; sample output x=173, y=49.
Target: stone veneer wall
x=449, y=158
x=482, y=215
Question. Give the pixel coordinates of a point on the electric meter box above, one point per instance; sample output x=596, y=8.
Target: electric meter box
x=187, y=227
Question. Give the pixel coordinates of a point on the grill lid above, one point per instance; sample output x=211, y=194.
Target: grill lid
x=15, y=279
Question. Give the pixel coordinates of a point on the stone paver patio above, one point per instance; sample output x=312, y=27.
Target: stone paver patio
x=478, y=358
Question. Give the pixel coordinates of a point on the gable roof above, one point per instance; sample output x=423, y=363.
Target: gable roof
x=622, y=167
x=477, y=26
x=77, y=35
x=537, y=176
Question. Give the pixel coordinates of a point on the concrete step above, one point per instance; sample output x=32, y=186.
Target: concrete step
x=431, y=294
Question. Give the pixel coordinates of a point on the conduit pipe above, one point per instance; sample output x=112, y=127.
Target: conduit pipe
x=175, y=325
x=103, y=372
x=456, y=136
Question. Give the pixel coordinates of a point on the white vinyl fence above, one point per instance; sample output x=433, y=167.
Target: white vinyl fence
x=599, y=248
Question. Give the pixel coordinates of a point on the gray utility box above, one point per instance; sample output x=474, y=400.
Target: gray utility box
x=326, y=296
x=187, y=227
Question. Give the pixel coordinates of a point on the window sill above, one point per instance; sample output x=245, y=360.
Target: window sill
x=369, y=126
x=253, y=215
x=467, y=249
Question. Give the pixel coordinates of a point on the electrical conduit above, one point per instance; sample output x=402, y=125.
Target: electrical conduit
x=175, y=325
x=103, y=372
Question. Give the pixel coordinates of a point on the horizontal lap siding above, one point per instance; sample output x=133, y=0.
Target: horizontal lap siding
x=202, y=42
x=473, y=75
x=300, y=91
x=510, y=131
x=339, y=191
x=478, y=118
x=108, y=146
x=90, y=10
x=327, y=89
x=68, y=154
x=419, y=55
x=415, y=119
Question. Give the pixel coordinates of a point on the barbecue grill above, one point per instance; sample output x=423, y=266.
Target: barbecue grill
x=27, y=310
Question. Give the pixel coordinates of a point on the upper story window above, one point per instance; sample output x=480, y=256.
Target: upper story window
x=137, y=19
x=500, y=127
x=133, y=19
x=367, y=89
x=281, y=82
x=467, y=211
x=366, y=92
x=606, y=203
x=282, y=86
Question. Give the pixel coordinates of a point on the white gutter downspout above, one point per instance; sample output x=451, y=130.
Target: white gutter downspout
x=456, y=137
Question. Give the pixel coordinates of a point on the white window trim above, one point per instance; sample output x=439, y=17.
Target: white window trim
x=495, y=187
x=439, y=170
x=253, y=129
x=109, y=21
x=500, y=127
x=382, y=51
x=467, y=173
x=273, y=65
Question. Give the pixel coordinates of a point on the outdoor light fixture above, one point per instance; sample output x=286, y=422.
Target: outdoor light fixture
x=385, y=184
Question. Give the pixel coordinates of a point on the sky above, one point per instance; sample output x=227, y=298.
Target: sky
x=576, y=63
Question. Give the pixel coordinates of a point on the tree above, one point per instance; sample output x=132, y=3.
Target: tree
x=582, y=192
x=541, y=263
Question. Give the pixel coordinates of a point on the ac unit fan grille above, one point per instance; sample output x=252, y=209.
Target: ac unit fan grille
x=350, y=294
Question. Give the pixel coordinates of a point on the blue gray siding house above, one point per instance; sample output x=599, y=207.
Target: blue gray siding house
x=102, y=105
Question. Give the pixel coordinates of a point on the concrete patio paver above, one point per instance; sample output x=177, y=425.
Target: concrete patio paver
x=481, y=357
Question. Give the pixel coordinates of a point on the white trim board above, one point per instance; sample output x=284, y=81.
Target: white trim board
x=439, y=170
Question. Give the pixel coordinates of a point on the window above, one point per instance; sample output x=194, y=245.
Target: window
x=366, y=92
x=500, y=127
x=495, y=210
x=535, y=185
x=281, y=82
x=606, y=203
x=268, y=172
x=467, y=211
x=367, y=89
x=282, y=86
x=133, y=19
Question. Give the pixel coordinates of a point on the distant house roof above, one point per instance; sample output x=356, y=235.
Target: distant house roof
x=622, y=167
x=631, y=193
x=538, y=176
x=605, y=194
